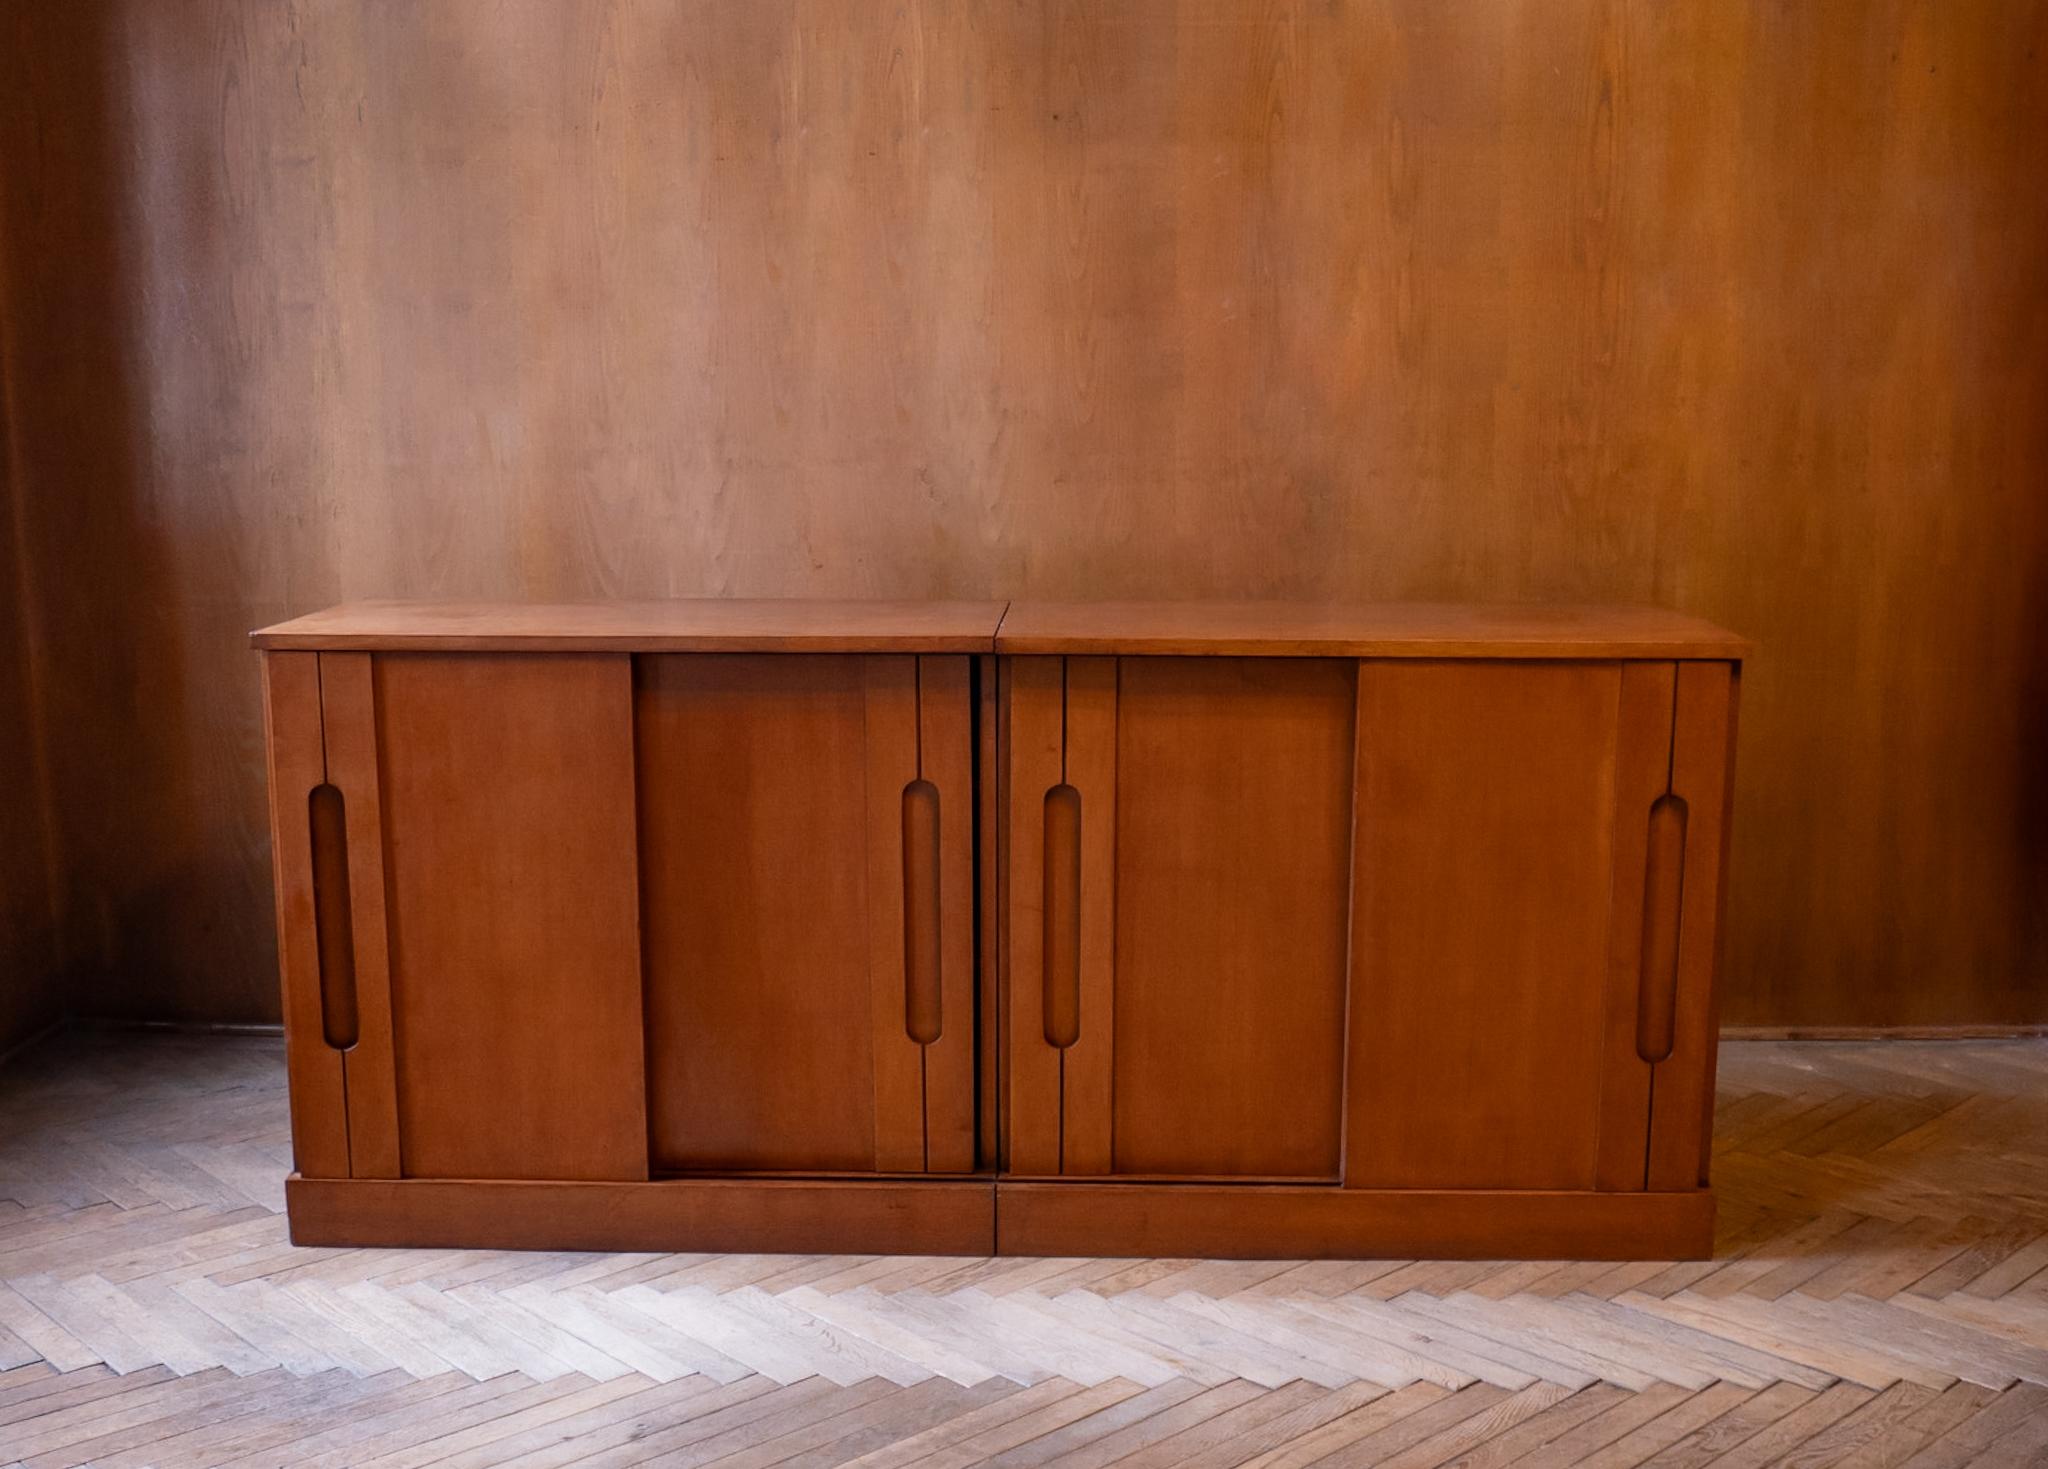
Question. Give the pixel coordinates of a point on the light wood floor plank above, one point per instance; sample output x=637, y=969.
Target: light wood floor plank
x=1552, y=1423
x=1056, y=1446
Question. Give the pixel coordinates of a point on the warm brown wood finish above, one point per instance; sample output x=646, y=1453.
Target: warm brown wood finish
x=1068, y=1218
x=1365, y=630
x=1480, y=1017
x=948, y=1034
x=1489, y=906
x=340, y=1020
x=1642, y=915
x=759, y=1216
x=889, y=721
x=750, y=769
x=1231, y=886
x=1702, y=777
x=1734, y=306
x=1293, y=954
x=775, y=911
x=681, y=625
x=515, y=980
x=1418, y=925
x=350, y=720
x=1088, y=1062
x=1033, y=745
x=298, y=767
x=987, y=930
x=1290, y=1222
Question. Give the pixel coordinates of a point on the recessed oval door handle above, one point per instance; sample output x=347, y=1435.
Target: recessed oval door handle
x=1663, y=895
x=923, y=1017
x=1062, y=908
x=334, y=939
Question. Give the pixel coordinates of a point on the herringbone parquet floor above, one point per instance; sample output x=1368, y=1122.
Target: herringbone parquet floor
x=1879, y=1297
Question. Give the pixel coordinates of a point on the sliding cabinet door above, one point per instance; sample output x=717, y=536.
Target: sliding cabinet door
x=457, y=914
x=1397, y=923
x=507, y=803
x=807, y=908
x=1532, y=941
x=315, y=950
x=1679, y=1028
x=1178, y=840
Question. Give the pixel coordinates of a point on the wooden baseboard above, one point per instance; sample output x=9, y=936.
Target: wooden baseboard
x=878, y=1217
x=71, y=1024
x=1882, y=1032
x=709, y=1216
x=183, y=1027
x=30, y=1041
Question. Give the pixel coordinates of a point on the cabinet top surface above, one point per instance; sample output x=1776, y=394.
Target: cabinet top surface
x=688, y=625
x=1262, y=629
x=1364, y=630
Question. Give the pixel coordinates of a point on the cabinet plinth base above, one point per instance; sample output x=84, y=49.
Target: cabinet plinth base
x=1208, y=1221
x=980, y=1217
x=714, y=1216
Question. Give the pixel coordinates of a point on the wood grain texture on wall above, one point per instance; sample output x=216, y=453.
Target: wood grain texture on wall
x=30, y=996
x=1739, y=307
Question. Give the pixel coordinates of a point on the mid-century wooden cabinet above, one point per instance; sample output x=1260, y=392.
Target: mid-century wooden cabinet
x=1385, y=928
x=605, y=896
x=951, y=927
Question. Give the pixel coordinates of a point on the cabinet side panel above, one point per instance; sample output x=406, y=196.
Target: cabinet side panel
x=1032, y=755
x=349, y=710
x=988, y=929
x=1642, y=774
x=291, y=707
x=1702, y=775
x=753, y=791
x=946, y=759
x=1233, y=779
x=1088, y=1066
x=515, y=974
x=889, y=759
x=1484, y=871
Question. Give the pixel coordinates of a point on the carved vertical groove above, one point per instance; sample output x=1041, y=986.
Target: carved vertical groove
x=1062, y=916
x=332, y=917
x=923, y=1014
x=1663, y=891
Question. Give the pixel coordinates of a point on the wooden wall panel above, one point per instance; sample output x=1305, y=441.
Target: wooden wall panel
x=1738, y=307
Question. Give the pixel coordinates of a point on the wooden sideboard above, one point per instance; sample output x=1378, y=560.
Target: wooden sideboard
x=1029, y=928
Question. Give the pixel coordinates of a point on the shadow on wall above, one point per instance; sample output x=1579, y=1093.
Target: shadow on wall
x=100, y=631
x=29, y=999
